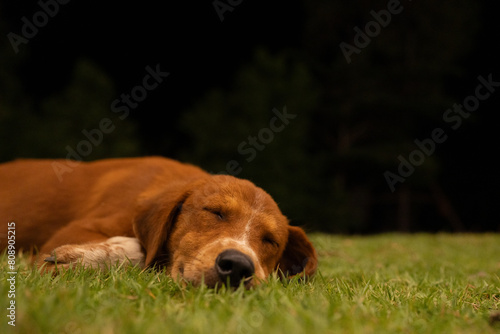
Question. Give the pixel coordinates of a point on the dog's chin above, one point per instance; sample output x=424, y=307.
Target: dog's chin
x=192, y=277
x=208, y=278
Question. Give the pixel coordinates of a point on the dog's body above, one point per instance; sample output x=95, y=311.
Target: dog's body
x=151, y=211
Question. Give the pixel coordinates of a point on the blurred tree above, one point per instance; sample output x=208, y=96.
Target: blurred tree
x=87, y=100
x=261, y=125
x=68, y=121
x=391, y=91
x=15, y=106
x=361, y=113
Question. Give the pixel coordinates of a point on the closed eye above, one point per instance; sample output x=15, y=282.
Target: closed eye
x=216, y=212
x=270, y=241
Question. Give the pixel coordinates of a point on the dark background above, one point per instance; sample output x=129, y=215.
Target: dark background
x=352, y=120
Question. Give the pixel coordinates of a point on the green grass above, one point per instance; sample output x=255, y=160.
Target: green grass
x=381, y=284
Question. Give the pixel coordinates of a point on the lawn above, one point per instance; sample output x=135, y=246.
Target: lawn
x=379, y=284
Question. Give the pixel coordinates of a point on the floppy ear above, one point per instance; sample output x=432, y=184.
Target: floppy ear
x=299, y=256
x=154, y=218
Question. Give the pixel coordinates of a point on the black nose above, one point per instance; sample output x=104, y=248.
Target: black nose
x=235, y=266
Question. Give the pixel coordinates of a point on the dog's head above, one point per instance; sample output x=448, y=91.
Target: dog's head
x=221, y=229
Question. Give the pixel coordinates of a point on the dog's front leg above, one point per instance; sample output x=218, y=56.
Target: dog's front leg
x=115, y=250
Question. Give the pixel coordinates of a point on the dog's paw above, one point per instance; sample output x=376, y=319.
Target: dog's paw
x=64, y=257
x=66, y=254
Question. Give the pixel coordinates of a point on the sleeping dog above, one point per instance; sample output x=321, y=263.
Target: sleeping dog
x=151, y=212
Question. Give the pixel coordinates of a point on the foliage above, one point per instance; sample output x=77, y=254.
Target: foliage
x=354, y=118
x=48, y=128
x=222, y=123
x=395, y=90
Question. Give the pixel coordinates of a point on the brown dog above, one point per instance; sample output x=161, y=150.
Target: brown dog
x=151, y=211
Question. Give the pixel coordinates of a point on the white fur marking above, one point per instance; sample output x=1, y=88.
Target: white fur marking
x=246, y=234
x=121, y=250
